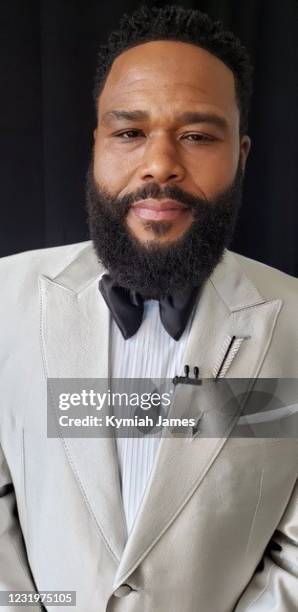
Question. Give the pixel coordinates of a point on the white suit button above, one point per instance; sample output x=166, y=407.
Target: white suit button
x=123, y=590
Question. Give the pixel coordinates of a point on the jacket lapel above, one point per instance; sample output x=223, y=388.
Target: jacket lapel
x=75, y=339
x=229, y=306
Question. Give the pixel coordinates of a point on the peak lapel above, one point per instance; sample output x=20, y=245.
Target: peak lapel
x=229, y=306
x=75, y=341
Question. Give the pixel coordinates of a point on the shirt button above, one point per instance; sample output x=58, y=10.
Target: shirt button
x=123, y=590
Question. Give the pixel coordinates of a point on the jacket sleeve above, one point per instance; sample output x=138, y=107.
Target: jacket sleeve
x=15, y=574
x=274, y=585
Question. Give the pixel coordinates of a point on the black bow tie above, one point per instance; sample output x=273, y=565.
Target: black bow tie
x=127, y=308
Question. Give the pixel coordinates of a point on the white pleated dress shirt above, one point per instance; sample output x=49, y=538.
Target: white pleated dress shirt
x=150, y=353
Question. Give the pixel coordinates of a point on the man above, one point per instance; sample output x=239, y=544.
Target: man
x=148, y=524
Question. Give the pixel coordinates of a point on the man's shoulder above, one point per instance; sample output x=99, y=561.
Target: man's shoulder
x=49, y=260
x=270, y=282
x=19, y=273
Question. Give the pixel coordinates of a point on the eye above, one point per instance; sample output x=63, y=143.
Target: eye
x=196, y=137
x=129, y=134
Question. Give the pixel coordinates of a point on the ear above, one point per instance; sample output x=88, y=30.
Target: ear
x=94, y=135
x=245, y=144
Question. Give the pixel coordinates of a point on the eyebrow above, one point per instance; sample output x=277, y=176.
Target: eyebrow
x=185, y=117
x=136, y=115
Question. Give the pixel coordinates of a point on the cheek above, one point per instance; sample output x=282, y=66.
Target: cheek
x=113, y=167
x=214, y=169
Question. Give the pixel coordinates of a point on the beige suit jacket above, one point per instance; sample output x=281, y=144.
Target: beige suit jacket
x=213, y=506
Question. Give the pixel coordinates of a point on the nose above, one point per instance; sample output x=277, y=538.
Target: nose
x=161, y=161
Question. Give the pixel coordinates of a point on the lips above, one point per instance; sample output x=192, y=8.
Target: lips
x=159, y=210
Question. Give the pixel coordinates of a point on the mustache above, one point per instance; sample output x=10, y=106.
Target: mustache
x=155, y=191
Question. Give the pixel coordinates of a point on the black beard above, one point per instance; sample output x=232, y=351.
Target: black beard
x=155, y=270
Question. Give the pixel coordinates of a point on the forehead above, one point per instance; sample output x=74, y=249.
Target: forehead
x=160, y=72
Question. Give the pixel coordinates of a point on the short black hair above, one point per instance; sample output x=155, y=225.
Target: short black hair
x=175, y=23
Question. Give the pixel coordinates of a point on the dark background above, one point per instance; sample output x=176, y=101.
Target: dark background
x=48, y=57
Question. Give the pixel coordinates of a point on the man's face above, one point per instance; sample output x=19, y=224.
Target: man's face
x=167, y=115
